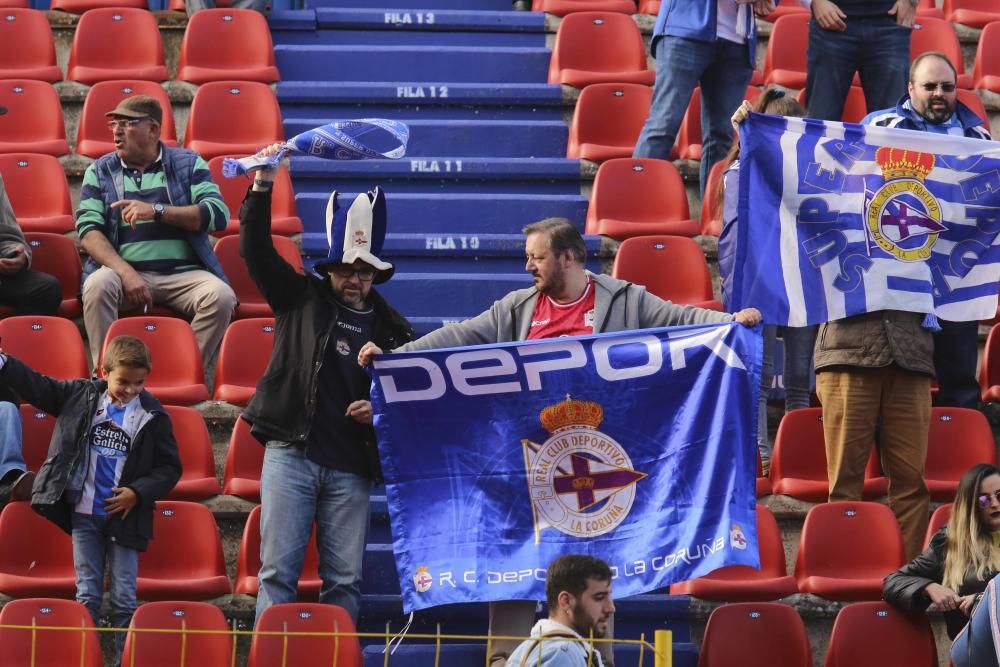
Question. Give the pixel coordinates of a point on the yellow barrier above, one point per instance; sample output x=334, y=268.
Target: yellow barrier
x=661, y=649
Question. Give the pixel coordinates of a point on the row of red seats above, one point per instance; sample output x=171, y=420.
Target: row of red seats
x=226, y=117
x=125, y=43
x=39, y=191
x=198, y=629
x=864, y=633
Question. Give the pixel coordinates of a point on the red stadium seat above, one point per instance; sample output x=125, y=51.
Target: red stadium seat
x=244, y=461
x=763, y=481
x=785, y=7
x=711, y=203
x=232, y=118
x=755, y=634
x=958, y=439
x=81, y=6
x=57, y=256
x=929, y=8
x=599, y=47
x=989, y=369
x=971, y=100
x=252, y=303
x=243, y=357
x=116, y=43
x=939, y=519
x=739, y=583
x=214, y=47
x=855, y=107
x=607, y=121
x=40, y=648
x=209, y=645
x=671, y=267
x=939, y=35
x=184, y=559
x=689, y=139
x=27, y=50
x=986, y=70
x=248, y=564
x=564, y=7
x=50, y=345
x=974, y=13
x=639, y=196
x=877, y=633
x=38, y=191
x=785, y=59
x=651, y=7
x=41, y=565
x=198, y=480
x=93, y=138
x=34, y=119
x=36, y=434
x=846, y=549
x=284, y=219
x=177, y=377
x=14, y=4
x=332, y=649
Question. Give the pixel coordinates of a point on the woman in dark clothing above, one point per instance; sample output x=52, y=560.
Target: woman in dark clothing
x=958, y=564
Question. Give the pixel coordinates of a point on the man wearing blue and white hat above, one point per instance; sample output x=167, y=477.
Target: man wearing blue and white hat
x=311, y=409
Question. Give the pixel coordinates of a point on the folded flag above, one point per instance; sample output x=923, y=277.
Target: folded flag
x=838, y=219
x=365, y=139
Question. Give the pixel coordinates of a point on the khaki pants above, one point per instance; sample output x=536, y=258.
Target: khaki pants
x=200, y=295
x=853, y=400
x=514, y=618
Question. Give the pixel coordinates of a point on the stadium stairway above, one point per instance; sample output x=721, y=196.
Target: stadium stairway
x=486, y=156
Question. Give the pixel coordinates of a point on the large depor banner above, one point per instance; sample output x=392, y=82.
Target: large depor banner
x=837, y=219
x=635, y=447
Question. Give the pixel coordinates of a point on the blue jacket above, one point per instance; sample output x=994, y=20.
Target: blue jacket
x=178, y=164
x=904, y=117
x=696, y=19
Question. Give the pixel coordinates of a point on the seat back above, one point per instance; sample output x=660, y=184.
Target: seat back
x=671, y=267
x=81, y=6
x=228, y=117
x=170, y=649
x=34, y=549
x=248, y=562
x=937, y=35
x=987, y=56
x=57, y=256
x=244, y=354
x=37, y=188
x=36, y=435
x=214, y=47
x=234, y=190
x=637, y=190
x=93, y=138
x=711, y=203
x=877, y=633
x=110, y=39
x=597, y=42
x=34, y=119
x=48, y=648
x=786, y=47
x=939, y=519
x=300, y=650
x=799, y=449
x=26, y=46
x=975, y=104
x=958, y=438
x=187, y=545
x=989, y=369
x=609, y=114
x=228, y=252
x=194, y=445
x=171, y=342
x=852, y=540
x=689, y=135
x=755, y=634
x=50, y=345
x=244, y=462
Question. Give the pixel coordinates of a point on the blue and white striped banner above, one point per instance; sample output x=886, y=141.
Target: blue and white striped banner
x=837, y=219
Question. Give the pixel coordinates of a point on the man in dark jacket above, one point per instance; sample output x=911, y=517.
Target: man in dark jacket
x=931, y=105
x=311, y=408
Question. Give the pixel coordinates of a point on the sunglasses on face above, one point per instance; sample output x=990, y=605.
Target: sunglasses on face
x=985, y=498
x=124, y=123
x=346, y=271
x=945, y=87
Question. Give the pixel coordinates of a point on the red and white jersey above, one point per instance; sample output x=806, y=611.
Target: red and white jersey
x=552, y=320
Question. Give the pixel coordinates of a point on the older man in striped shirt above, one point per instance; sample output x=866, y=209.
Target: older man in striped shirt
x=146, y=213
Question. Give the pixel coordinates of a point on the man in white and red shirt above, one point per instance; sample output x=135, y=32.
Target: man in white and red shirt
x=566, y=300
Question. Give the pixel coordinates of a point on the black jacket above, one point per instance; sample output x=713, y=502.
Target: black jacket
x=904, y=588
x=284, y=406
x=151, y=469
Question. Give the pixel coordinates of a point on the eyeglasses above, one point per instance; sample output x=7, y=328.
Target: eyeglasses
x=985, y=498
x=124, y=123
x=945, y=87
x=347, y=270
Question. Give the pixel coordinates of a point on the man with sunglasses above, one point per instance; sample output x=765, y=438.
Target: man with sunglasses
x=146, y=213
x=932, y=105
x=311, y=409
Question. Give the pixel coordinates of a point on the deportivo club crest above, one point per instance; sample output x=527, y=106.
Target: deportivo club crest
x=902, y=217
x=580, y=481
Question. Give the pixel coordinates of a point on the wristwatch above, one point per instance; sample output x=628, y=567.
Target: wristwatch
x=158, y=210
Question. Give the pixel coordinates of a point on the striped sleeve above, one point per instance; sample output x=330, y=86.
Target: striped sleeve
x=92, y=212
x=205, y=193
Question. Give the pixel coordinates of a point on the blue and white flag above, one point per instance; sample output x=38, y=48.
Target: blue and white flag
x=837, y=219
x=637, y=447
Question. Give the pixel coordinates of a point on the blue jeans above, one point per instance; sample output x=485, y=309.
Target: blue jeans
x=956, y=355
x=799, y=343
x=975, y=645
x=878, y=49
x=91, y=544
x=293, y=492
x=11, y=457
x=724, y=73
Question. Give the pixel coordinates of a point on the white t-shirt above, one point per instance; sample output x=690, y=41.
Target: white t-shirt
x=729, y=20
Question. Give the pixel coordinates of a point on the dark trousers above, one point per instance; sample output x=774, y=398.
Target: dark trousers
x=956, y=354
x=31, y=293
